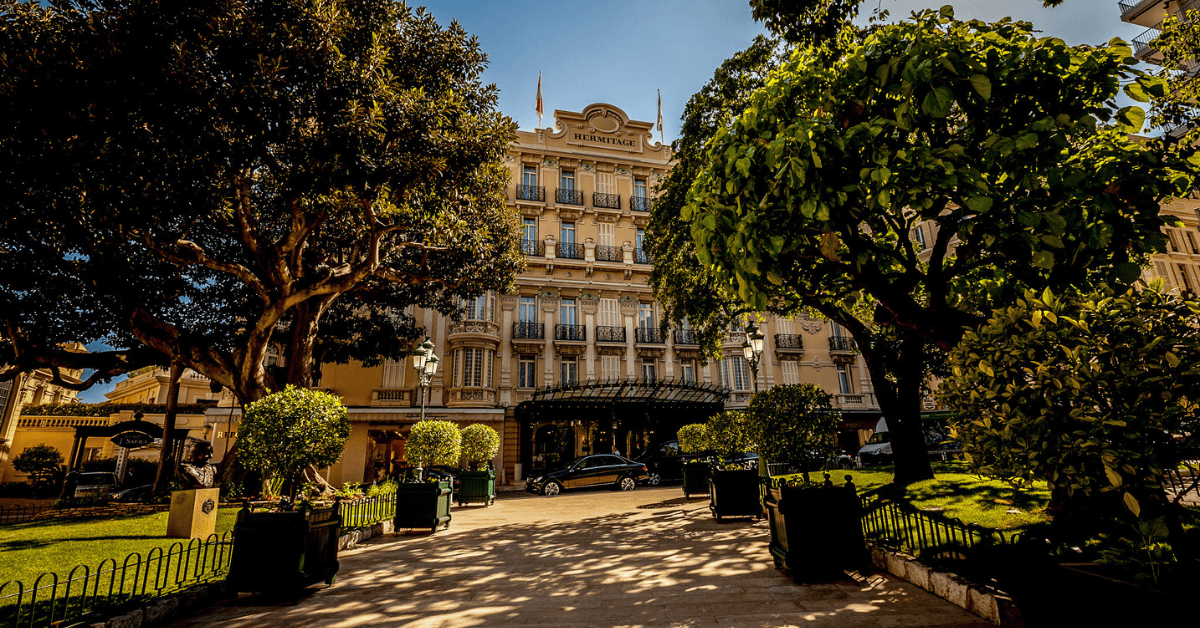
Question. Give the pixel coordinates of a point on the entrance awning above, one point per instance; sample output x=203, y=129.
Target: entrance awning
x=599, y=393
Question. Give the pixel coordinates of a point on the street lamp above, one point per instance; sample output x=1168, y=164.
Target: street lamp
x=752, y=349
x=425, y=364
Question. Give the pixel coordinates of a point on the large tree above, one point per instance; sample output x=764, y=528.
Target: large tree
x=1008, y=145
x=199, y=180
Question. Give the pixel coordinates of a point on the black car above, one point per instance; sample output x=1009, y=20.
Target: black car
x=664, y=462
x=444, y=473
x=590, y=471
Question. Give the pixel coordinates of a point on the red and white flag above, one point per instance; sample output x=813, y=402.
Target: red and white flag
x=539, y=100
x=660, y=130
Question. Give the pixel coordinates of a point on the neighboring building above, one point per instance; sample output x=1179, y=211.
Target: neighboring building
x=151, y=384
x=583, y=310
x=29, y=389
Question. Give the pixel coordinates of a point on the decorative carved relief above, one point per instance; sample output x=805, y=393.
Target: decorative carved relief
x=550, y=163
x=475, y=327
x=817, y=364
x=810, y=324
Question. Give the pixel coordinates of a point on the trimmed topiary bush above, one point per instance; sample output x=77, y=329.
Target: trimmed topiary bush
x=729, y=434
x=480, y=444
x=693, y=438
x=285, y=432
x=794, y=424
x=433, y=442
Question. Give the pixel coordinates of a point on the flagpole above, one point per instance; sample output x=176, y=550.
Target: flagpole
x=660, y=125
x=539, y=100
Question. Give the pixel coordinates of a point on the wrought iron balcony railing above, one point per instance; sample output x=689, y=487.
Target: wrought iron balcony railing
x=570, y=250
x=687, y=337
x=788, y=341
x=526, y=330
x=609, y=254
x=1142, y=42
x=841, y=343
x=531, y=193
x=570, y=332
x=640, y=203
x=1127, y=5
x=607, y=201
x=641, y=256
x=650, y=335
x=568, y=197
x=533, y=247
x=610, y=334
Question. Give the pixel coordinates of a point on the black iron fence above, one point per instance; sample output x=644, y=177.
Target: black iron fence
x=533, y=247
x=19, y=514
x=528, y=330
x=570, y=332
x=362, y=513
x=607, y=201
x=642, y=257
x=568, y=197
x=570, y=250
x=53, y=600
x=788, y=341
x=687, y=337
x=1126, y=5
x=639, y=203
x=531, y=193
x=841, y=343
x=651, y=335
x=609, y=253
x=610, y=334
x=923, y=533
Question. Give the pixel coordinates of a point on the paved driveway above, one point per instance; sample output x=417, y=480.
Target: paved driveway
x=642, y=558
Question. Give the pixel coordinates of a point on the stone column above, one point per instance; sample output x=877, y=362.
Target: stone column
x=508, y=304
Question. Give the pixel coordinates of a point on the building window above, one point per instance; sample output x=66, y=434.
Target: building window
x=527, y=311
x=646, y=315
x=272, y=357
x=393, y=374
x=844, y=382
x=607, y=234
x=641, y=237
x=570, y=371
x=734, y=373
x=737, y=324
x=529, y=176
x=604, y=183
x=568, y=233
x=919, y=238
x=526, y=372
x=474, y=367
x=610, y=313
x=610, y=367
x=687, y=371
x=530, y=232
x=648, y=371
x=791, y=373
x=639, y=188
x=479, y=308
x=567, y=312
x=566, y=180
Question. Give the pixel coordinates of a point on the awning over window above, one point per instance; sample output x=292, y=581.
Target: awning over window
x=596, y=393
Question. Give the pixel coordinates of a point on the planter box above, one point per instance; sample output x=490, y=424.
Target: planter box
x=477, y=487
x=1089, y=594
x=734, y=494
x=816, y=532
x=423, y=505
x=278, y=551
x=695, y=478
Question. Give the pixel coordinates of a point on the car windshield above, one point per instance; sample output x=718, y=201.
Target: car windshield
x=879, y=437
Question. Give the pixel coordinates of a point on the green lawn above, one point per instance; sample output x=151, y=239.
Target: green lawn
x=959, y=494
x=29, y=549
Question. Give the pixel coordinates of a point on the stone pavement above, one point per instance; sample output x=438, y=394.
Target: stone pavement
x=642, y=558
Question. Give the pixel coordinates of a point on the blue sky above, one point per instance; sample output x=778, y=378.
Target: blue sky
x=621, y=51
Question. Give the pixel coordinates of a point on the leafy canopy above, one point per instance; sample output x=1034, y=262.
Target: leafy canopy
x=794, y=423
x=480, y=443
x=42, y=462
x=285, y=432
x=433, y=442
x=693, y=438
x=730, y=433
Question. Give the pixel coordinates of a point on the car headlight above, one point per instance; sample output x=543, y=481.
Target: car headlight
x=537, y=479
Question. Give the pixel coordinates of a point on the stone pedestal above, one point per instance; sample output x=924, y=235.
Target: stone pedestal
x=193, y=514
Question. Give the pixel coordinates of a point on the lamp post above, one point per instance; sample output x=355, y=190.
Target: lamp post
x=425, y=364
x=752, y=349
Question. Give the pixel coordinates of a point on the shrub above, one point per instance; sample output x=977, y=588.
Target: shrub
x=285, y=432
x=108, y=408
x=729, y=434
x=433, y=442
x=43, y=463
x=693, y=438
x=794, y=424
x=480, y=444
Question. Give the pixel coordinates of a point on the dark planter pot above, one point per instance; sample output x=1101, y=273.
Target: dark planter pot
x=423, y=505
x=477, y=487
x=1089, y=594
x=734, y=494
x=695, y=478
x=280, y=551
x=816, y=533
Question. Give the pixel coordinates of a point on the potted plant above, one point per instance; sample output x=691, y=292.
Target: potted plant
x=478, y=483
x=421, y=504
x=281, y=435
x=815, y=530
x=732, y=489
x=693, y=440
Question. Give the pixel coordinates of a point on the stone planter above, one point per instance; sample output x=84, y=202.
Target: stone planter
x=280, y=551
x=815, y=532
x=423, y=505
x=695, y=478
x=477, y=487
x=734, y=494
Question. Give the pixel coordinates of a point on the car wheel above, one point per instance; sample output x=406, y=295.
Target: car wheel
x=627, y=483
x=654, y=479
x=552, y=488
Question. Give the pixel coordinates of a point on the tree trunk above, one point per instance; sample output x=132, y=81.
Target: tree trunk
x=899, y=399
x=166, y=462
x=304, y=339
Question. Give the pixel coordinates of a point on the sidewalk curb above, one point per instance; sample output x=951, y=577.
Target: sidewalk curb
x=990, y=604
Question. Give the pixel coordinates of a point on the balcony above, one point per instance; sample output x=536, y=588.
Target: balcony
x=640, y=203
x=570, y=250
x=841, y=344
x=642, y=257
x=609, y=254
x=1141, y=43
x=789, y=341
x=576, y=333
x=650, y=335
x=568, y=197
x=533, y=247
x=610, y=334
x=606, y=201
x=687, y=337
x=531, y=193
x=526, y=330
x=472, y=395
x=391, y=397
x=481, y=329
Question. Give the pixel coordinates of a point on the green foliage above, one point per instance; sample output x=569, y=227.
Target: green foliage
x=730, y=433
x=1146, y=552
x=1089, y=391
x=433, y=442
x=43, y=463
x=107, y=409
x=794, y=424
x=285, y=432
x=480, y=444
x=693, y=438
x=382, y=489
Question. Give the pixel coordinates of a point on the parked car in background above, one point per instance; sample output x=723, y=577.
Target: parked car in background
x=444, y=473
x=134, y=494
x=599, y=470
x=664, y=462
x=95, y=485
x=878, y=449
